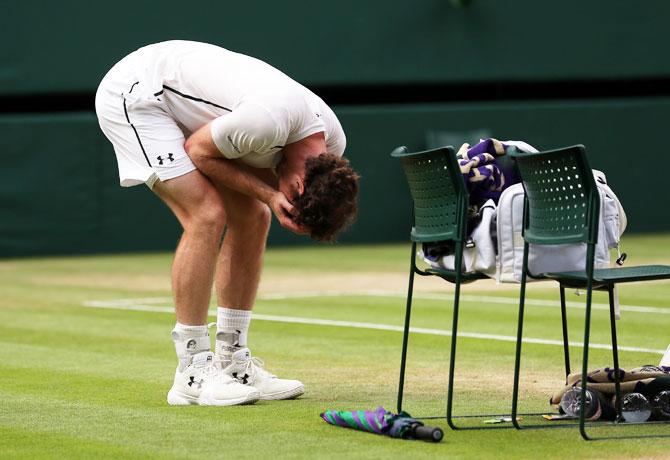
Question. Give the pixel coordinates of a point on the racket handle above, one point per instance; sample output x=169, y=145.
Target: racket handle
x=427, y=433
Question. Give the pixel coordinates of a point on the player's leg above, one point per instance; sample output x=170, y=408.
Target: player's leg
x=199, y=208
x=149, y=146
x=200, y=211
x=239, y=268
x=247, y=226
x=237, y=277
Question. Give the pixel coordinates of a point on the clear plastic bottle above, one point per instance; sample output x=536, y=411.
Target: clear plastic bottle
x=635, y=408
x=661, y=405
x=571, y=402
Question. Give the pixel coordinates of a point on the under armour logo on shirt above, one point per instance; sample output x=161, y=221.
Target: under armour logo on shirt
x=161, y=159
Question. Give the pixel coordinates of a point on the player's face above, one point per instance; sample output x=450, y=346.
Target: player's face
x=291, y=178
x=291, y=184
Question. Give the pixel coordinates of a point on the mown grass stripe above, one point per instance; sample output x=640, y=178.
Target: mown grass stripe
x=384, y=327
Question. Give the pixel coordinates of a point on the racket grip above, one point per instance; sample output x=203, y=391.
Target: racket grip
x=427, y=433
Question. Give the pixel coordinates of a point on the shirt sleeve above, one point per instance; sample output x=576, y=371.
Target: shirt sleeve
x=250, y=128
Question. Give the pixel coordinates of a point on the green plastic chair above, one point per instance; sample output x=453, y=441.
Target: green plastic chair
x=440, y=203
x=562, y=206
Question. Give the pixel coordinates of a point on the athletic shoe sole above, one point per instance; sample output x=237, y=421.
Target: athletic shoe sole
x=287, y=394
x=176, y=398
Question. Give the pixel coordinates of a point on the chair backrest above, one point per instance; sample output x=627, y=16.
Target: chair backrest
x=438, y=192
x=562, y=204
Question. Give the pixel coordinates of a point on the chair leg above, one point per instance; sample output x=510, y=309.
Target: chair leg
x=615, y=355
x=405, y=336
x=564, y=320
x=454, y=335
x=519, y=336
x=452, y=362
x=585, y=361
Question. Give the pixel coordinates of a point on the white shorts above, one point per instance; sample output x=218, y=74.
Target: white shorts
x=148, y=142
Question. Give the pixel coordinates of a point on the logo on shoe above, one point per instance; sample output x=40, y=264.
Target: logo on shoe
x=193, y=382
x=244, y=379
x=190, y=345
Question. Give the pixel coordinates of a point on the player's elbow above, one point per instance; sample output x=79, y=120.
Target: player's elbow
x=193, y=147
x=200, y=144
x=197, y=151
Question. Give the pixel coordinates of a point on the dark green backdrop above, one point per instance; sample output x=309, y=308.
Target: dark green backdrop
x=58, y=186
x=69, y=45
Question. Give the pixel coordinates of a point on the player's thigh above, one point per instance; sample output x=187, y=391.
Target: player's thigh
x=245, y=210
x=193, y=199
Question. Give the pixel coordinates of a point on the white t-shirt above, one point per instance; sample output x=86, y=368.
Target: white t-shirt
x=255, y=109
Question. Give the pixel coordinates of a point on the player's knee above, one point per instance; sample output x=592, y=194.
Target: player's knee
x=255, y=218
x=209, y=217
x=264, y=217
x=259, y=217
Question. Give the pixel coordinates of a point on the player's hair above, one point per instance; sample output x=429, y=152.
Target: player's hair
x=329, y=202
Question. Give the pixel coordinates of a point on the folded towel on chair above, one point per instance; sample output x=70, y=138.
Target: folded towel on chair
x=485, y=169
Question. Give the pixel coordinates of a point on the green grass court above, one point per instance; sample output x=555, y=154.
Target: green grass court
x=86, y=358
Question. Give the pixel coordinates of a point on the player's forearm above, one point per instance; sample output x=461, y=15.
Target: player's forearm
x=226, y=172
x=220, y=170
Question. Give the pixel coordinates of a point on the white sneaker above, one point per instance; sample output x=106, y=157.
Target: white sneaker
x=205, y=384
x=249, y=371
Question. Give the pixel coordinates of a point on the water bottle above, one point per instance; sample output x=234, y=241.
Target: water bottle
x=571, y=402
x=635, y=408
x=661, y=405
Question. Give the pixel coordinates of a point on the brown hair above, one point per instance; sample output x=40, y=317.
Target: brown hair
x=329, y=203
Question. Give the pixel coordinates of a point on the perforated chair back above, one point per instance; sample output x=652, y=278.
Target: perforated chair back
x=438, y=192
x=562, y=204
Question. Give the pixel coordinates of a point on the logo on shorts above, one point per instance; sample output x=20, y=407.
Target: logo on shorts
x=161, y=159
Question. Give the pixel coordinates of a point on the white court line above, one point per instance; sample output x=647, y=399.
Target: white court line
x=417, y=295
x=466, y=298
x=374, y=326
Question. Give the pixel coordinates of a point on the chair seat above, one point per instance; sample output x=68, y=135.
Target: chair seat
x=613, y=275
x=450, y=275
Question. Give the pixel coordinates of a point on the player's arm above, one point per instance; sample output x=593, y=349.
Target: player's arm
x=212, y=163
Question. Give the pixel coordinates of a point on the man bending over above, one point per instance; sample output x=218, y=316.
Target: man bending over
x=223, y=138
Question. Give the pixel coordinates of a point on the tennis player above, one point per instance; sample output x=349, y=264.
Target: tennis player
x=224, y=139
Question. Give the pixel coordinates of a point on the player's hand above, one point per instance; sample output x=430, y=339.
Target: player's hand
x=284, y=211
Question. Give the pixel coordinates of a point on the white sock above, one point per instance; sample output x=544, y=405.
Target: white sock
x=189, y=340
x=232, y=329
